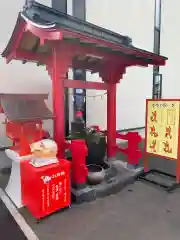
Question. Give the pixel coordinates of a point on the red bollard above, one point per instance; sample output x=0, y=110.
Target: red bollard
x=134, y=154
x=79, y=170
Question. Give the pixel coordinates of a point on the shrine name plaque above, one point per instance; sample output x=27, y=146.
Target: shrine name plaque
x=162, y=133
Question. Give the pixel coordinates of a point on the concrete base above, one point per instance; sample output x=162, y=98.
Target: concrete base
x=13, y=188
x=86, y=194
x=117, y=176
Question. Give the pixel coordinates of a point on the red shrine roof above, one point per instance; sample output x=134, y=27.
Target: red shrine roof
x=38, y=25
x=25, y=107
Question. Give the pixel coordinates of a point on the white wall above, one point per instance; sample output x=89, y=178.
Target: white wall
x=170, y=39
x=15, y=76
x=96, y=104
x=135, y=19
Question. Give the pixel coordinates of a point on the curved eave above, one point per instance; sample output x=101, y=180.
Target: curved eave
x=20, y=24
x=51, y=31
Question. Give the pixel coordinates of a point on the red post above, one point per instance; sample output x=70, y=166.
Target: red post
x=79, y=170
x=58, y=71
x=111, y=121
x=134, y=153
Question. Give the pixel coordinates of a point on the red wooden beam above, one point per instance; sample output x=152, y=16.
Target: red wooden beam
x=88, y=66
x=122, y=136
x=157, y=60
x=10, y=57
x=85, y=85
x=111, y=120
x=30, y=56
x=17, y=39
x=109, y=57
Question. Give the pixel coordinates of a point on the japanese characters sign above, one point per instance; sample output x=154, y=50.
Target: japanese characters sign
x=162, y=129
x=54, y=190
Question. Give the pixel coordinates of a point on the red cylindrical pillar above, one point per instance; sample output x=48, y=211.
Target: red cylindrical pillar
x=79, y=170
x=111, y=121
x=58, y=71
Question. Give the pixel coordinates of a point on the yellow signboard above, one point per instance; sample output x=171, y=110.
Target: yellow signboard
x=162, y=128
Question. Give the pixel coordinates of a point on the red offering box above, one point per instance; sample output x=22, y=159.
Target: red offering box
x=45, y=189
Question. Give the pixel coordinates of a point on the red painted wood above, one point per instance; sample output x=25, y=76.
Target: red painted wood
x=59, y=69
x=85, y=85
x=111, y=121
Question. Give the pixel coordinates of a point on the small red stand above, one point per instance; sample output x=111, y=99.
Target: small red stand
x=134, y=153
x=79, y=169
x=45, y=189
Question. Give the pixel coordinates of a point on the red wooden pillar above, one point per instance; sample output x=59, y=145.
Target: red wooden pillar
x=111, y=121
x=59, y=69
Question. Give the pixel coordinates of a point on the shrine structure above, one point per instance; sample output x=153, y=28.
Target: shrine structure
x=24, y=115
x=47, y=37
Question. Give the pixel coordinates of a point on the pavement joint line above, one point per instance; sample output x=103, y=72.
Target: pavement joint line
x=28, y=232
